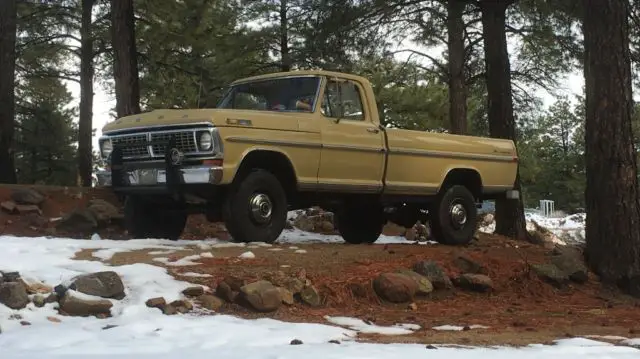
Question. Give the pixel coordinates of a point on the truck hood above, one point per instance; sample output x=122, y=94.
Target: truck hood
x=164, y=117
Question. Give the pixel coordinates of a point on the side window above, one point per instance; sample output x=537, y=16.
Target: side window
x=342, y=99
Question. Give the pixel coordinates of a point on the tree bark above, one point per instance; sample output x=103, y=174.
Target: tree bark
x=285, y=56
x=613, y=209
x=509, y=216
x=8, y=16
x=85, y=123
x=125, y=65
x=457, y=84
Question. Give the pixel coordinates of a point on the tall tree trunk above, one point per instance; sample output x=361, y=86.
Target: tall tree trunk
x=457, y=85
x=510, y=219
x=125, y=65
x=8, y=15
x=285, y=56
x=85, y=125
x=613, y=211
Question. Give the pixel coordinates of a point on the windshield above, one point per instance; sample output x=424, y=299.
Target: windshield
x=297, y=94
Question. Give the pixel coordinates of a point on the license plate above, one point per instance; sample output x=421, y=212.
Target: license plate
x=161, y=177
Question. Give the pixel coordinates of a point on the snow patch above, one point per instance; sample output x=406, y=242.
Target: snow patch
x=247, y=255
x=361, y=326
x=459, y=328
x=195, y=275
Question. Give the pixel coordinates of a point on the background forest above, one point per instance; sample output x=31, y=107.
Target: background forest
x=187, y=51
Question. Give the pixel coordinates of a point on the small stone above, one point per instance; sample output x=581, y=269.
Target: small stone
x=468, y=265
x=14, y=295
x=466, y=328
x=431, y=347
x=77, y=306
x=413, y=306
x=158, y=302
x=262, y=296
x=395, y=287
x=24, y=323
x=51, y=298
x=287, y=296
x=333, y=341
x=551, y=274
x=28, y=208
x=225, y=292
x=296, y=342
x=8, y=206
x=27, y=196
x=434, y=273
x=38, y=300
x=210, y=302
x=195, y=291
x=310, y=296
x=182, y=306
x=475, y=282
x=53, y=319
x=10, y=276
x=169, y=310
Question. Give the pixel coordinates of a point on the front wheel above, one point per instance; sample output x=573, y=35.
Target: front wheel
x=144, y=220
x=453, y=216
x=360, y=224
x=255, y=210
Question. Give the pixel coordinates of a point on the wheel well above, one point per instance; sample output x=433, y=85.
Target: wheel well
x=465, y=177
x=276, y=163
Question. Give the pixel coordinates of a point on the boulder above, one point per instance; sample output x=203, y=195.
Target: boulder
x=310, y=295
x=181, y=306
x=27, y=196
x=79, y=220
x=14, y=295
x=475, y=282
x=76, y=304
x=39, y=300
x=551, y=274
x=210, y=302
x=424, y=285
x=158, y=302
x=194, y=291
x=9, y=276
x=571, y=266
x=434, y=273
x=101, y=284
x=261, y=296
x=28, y=209
x=103, y=211
x=395, y=287
x=225, y=292
x=286, y=296
x=8, y=206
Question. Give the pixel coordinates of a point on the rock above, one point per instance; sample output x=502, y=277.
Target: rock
x=262, y=296
x=333, y=341
x=105, y=284
x=24, y=323
x=434, y=273
x=27, y=196
x=14, y=295
x=551, y=274
x=225, y=292
x=326, y=227
x=475, y=282
x=422, y=232
x=38, y=300
x=53, y=319
x=210, y=302
x=182, y=306
x=395, y=287
x=80, y=220
x=52, y=298
x=103, y=211
x=572, y=266
x=294, y=285
x=467, y=265
x=286, y=296
x=8, y=206
x=235, y=283
x=27, y=209
x=195, y=291
x=411, y=234
x=413, y=306
x=37, y=287
x=169, y=310
x=76, y=305
x=309, y=295
x=10, y=276
x=158, y=302
x=424, y=285
x=315, y=221
x=296, y=342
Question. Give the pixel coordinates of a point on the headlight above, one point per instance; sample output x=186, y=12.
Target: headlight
x=205, y=141
x=106, y=147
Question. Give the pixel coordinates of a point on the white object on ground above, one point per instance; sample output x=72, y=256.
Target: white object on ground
x=359, y=325
x=459, y=328
x=247, y=255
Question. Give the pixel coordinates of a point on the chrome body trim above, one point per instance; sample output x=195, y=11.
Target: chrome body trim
x=273, y=142
x=457, y=155
x=194, y=124
x=157, y=176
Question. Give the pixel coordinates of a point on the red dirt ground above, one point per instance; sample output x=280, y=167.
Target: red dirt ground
x=522, y=309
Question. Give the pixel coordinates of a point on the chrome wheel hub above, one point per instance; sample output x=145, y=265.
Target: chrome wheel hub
x=458, y=215
x=260, y=207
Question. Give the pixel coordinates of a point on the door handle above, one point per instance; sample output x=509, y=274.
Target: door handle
x=372, y=130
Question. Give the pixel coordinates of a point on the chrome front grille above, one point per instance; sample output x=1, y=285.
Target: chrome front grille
x=143, y=145
x=185, y=142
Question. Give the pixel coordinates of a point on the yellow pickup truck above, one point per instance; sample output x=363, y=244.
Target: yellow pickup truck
x=291, y=140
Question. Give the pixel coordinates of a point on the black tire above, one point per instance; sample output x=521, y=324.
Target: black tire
x=242, y=224
x=361, y=224
x=444, y=227
x=144, y=220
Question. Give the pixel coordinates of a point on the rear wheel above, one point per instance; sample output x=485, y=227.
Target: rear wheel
x=360, y=224
x=255, y=209
x=453, y=216
x=145, y=220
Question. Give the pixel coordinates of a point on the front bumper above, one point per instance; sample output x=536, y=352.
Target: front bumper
x=158, y=176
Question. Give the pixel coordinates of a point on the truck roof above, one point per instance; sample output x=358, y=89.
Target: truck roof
x=303, y=73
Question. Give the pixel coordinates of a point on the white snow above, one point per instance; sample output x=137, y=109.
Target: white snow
x=363, y=327
x=300, y=251
x=565, y=228
x=247, y=255
x=136, y=331
x=184, y=261
x=195, y=275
